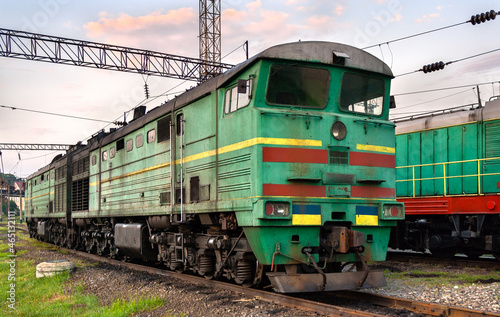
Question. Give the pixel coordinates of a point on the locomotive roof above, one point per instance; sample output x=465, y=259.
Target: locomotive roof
x=323, y=52
x=316, y=52
x=491, y=110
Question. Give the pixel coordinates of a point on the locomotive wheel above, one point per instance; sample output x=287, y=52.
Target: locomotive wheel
x=206, y=267
x=247, y=268
x=173, y=264
x=243, y=272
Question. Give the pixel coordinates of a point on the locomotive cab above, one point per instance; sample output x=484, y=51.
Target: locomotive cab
x=325, y=191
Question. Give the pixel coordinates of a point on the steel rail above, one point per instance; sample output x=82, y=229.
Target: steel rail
x=457, y=261
x=428, y=309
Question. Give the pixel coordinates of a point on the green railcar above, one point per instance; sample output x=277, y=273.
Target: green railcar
x=448, y=167
x=281, y=169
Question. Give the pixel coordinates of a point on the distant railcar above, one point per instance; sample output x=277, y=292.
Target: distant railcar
x=281, y=168
x=448, y=177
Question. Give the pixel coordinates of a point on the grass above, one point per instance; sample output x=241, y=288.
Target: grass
x=436, y=278
x=48, y=296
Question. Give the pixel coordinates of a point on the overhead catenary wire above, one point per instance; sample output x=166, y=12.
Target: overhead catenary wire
x=477, y=55
x=414, y=35
x=475, y=19
x=53, y=114
x=444, y=88
x=441, y=65
x=444, y=97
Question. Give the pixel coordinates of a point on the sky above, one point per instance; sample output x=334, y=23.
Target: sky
x=172, y=27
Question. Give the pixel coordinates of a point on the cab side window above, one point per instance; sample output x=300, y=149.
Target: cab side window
x=239, y=96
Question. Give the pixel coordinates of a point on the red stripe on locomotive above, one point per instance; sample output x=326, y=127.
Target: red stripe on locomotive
x=372, y=192
x=293, y=190
x=372, y=159
x=294, y=155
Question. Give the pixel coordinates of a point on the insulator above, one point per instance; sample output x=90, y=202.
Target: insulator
x=146, y=90
x=491, y=15
x=483, y=17
x=433, y=67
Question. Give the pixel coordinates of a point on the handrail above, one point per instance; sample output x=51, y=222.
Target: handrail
x=446, y=177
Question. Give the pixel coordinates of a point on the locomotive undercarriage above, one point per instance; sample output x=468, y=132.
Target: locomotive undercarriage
x=212, y=246
x=183, y=246
x=444, y=236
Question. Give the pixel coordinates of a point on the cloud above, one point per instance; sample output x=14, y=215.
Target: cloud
x=253, y=6
x=265, y=27
x=428, y=18
x=125, y=23
x=321, y=24
x=176, y=31
x=301, y=5
x=173, y=31
x=339, y=9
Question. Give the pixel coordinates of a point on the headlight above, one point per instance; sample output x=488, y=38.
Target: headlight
x=339, y=131
x=277, y=209
x=393, y=212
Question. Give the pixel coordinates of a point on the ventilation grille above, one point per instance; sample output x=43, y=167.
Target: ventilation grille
x=80, y=195
x=60, y=197
x=339, y=157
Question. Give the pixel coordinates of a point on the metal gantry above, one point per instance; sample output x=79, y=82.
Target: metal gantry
x=46, y=48
x=210, y=37
x=25, y=146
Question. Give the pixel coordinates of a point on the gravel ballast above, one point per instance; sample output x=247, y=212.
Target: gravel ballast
x=181, y=298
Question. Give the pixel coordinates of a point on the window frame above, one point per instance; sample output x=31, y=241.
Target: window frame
x=365, y=77
x=232, y=91
x=139, y=140
x=151, y=136
x=129, y=145
x=327, y=83
x=163, y=127
x=120, y=144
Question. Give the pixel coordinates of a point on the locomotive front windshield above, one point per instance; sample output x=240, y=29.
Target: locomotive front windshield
x=298, y=86
x=362, y=94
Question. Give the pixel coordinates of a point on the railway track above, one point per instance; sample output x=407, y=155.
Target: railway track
x=401, y=256
x=308, y=302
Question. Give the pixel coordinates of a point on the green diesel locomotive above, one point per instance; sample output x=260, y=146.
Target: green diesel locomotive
x=281, y=169
x=448, y=167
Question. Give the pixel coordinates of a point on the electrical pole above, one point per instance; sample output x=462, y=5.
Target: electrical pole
x=210, y=38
